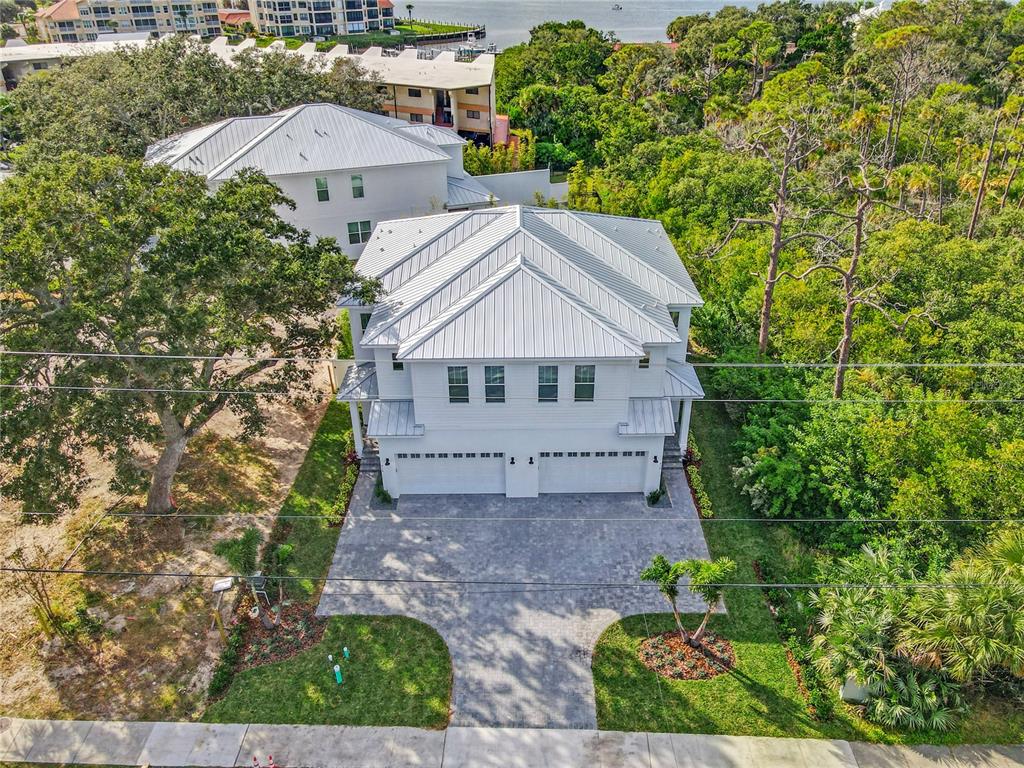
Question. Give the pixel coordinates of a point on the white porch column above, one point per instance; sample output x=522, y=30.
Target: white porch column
x=357, y=428
x=684, y=424
x=683, y=327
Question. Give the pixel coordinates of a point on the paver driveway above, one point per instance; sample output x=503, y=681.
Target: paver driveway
x=521, y=654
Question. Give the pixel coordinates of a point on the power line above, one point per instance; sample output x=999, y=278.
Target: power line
x=748, y=401
x=305, y=359
x=529, y=519
x=399, y=581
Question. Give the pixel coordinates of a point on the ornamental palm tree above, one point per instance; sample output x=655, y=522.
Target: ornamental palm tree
x=667, y=576
x=706, y=580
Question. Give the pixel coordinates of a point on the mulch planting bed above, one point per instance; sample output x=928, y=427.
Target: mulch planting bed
x=298, y=630
x=670, y=657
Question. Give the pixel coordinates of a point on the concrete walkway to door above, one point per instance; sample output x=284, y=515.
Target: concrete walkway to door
x=521, y=654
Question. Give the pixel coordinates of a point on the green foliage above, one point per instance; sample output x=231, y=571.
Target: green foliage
x=125, y=100
x=480, y=160
x=113, y=256
x=380, y=492
x=241, y=552
x=224, y=672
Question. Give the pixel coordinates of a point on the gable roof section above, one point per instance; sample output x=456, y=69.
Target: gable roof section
x=303, y=139
x=519, y=315
x=505, y=283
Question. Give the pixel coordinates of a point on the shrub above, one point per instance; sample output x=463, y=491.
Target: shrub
x=224, y=672
x=241, y=553
x=700, y=495
x=379, y=491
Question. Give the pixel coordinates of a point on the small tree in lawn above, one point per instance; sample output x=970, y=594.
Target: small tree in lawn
x=706, y=579
x=667, y=576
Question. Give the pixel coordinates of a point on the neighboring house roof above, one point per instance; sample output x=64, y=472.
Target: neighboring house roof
x=467, y=192
x=303, y=139
x=233, y=16
x=520, y=282
x=385, y=4
x=441, y=72
x=62, y=10
x=56, y=51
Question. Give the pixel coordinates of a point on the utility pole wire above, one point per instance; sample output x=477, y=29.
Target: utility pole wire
x=491, y=582
x=257, y=358
x=279, y=393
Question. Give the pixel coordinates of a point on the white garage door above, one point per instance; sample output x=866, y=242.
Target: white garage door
x=450, y=473
x=592, y=471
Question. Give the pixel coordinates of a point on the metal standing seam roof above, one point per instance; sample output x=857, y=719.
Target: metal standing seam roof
x=359, y=383
x=648, y=417
x=468, y=191
x=516, y=282
x=681, y=381
x=303, y=139
x=393, y=418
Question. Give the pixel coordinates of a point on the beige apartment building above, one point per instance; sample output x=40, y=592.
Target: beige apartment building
x=79, y=21
x=420, y=86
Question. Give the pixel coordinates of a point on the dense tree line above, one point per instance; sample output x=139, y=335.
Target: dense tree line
x=844, y=189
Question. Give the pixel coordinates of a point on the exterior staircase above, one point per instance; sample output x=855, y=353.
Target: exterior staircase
x=371, y=458
x=671, y=457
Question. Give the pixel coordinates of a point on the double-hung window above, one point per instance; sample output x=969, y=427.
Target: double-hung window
x=473, y=114
x=396, y=364
x=547, y=383
x=357, y=185
x=494, y=383
x=322, y=193
x=584, y=383
x=358, y=232
x=645, y=361
x=458, y=384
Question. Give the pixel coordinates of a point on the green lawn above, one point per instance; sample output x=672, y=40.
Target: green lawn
x=760, y=697
x=417, y=27
x=399, y=674
x=314, y=492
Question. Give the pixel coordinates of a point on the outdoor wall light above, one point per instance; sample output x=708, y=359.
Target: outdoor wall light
x=655, y=459
x=387, y=462
x=531, y=459
x=512, y=460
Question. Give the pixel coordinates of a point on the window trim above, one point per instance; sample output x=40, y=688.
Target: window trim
x=577, y=383
x=359, y=186
x=494, y=391
x=361, y=234
x=323, y=192
x=473, y=114
x=458, y=391
x=547, y=395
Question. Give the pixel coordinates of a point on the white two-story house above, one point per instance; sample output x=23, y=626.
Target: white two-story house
x=345, y=170
x=520, y=351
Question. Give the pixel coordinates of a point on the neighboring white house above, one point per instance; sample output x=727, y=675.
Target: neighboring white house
x=346, y=170
x=522, y=350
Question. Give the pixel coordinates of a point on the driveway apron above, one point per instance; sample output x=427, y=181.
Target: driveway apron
x=509, y=586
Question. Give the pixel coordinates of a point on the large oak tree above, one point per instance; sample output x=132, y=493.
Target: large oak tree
x=112, y=256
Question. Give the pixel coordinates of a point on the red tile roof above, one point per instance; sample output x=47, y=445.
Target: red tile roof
x=385, y=4
x=62, y=10
x=233, y=16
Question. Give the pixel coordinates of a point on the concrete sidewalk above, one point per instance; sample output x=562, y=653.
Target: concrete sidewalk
x=321, y=746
